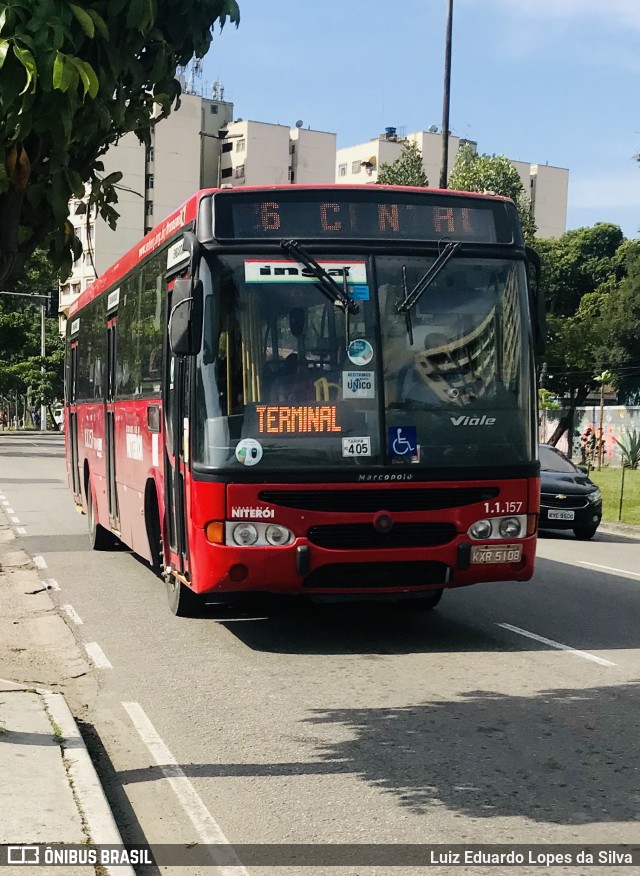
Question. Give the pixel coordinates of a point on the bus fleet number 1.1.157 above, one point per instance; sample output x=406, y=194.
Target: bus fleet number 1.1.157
x=503, y=507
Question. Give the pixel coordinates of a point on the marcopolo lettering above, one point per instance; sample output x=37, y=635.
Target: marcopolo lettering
x=253, y=513
x=473, y=421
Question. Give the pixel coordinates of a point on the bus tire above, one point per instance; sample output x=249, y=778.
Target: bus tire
x=100, y=539
x=183, y=602
x=154, y=534
x=419, y=604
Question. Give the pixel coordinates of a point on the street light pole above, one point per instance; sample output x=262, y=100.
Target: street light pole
x=444, y=162
x=43, y=407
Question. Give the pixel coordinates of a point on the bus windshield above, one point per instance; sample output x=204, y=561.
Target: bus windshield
x=286, y=380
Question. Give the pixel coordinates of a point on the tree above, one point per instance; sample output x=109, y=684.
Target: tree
x=495, y=175
x=74, y=78
x=406, y=170
x=23, y=382
x=581, y=274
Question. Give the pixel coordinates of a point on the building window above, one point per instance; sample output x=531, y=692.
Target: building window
x=342, y=170
x=149, y=180
x=240, y=171
x=241, y=145
x=148, y=155
x=292, y=148
x=147, y=229
x=227, y=147
x=356, y=166
x=148, y=208
x=226, y=172
x=213, y=109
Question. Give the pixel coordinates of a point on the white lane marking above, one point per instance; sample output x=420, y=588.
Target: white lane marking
x=209, y=831
x=9, y=510
x=51, y=584
x=40, y=562
x=97, y=655
x=6, y=502
x=14, y=519
x=558, y=645
x=21, y=530
x=73, y=614
x=609, y=569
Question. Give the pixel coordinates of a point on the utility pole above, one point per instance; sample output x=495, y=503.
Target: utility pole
x=444, y=162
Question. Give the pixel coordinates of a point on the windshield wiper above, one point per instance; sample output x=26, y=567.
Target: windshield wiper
x=327, y=284
x=411, y=298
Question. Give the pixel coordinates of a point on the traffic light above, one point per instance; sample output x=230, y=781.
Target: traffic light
x=53, y=303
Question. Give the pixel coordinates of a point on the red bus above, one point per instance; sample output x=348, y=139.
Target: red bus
x=320, y=390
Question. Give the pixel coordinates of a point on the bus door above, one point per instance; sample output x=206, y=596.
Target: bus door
x=176, y=454
x=72, y=438
x=110, y=426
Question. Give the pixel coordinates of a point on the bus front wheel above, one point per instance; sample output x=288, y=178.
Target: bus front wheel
x=183, y=602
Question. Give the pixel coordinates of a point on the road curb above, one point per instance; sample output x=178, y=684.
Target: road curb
x=86, y=785
x=620, y=529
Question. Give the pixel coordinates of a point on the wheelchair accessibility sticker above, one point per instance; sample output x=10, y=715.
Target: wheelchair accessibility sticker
x=403, y=442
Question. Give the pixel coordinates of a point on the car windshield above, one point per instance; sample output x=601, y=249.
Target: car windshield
x=552, y=460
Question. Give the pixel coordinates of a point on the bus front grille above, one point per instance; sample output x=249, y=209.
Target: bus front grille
x=351, y=576
x=362, y=536
x=359, y=501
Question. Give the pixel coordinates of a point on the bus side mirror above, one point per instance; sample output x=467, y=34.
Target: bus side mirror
x=537, y=305
x=185, y=319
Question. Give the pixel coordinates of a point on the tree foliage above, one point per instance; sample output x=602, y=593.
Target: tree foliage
x=74, y=78
x=591, y=282
x=23, y=371
x=496, y=175
x=406, y=170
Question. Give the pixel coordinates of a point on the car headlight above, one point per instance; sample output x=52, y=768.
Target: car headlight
x=277, y=534
x=510, y=527
x=595, y=496
x=480, y=529
x=245, y=534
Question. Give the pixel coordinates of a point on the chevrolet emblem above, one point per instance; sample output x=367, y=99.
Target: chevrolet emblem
x=560, y=496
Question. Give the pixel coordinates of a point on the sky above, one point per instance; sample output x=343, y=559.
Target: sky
x=541, y=81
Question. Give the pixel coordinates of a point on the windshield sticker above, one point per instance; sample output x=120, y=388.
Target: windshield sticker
x=358, y=384
x=278, y=419
x=249, y=451
x=360, y=352
x=403, y=442
x=356, y=446
x=359, y=292
x=265, y=271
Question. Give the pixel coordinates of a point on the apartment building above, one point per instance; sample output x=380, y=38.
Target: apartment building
x=259, y=153
x=547, y=186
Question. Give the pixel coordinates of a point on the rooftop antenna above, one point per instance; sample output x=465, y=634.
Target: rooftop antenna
x=195, y=73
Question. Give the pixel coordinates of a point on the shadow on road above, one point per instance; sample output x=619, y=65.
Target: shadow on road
x=562, y=756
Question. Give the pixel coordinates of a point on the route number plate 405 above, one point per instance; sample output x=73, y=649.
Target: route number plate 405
x=506, y=553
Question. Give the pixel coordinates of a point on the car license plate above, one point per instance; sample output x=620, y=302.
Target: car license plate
x=554, y=514
x=506, y=553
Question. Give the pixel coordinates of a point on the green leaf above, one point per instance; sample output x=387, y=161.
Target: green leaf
x=4, y=48
x=84, y=20
x=88, y=77
x=136, y=13
x=100, y=24
x=28, y=62
x=112, y=179
x=65, y=74
x=3, y=18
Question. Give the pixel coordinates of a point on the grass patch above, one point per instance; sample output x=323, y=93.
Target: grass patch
x=610, y=481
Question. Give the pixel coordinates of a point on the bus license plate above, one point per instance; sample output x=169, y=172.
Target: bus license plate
x=560, y=515
x=507, y=553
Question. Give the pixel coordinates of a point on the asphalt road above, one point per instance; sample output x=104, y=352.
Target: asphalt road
x=343, y=725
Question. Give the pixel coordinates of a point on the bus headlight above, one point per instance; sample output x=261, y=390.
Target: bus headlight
x=276, y=535
x=510, y=527
x=480, y=529
x=245, y=534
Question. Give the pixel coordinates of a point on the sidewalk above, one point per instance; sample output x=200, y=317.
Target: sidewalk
x=50, y=792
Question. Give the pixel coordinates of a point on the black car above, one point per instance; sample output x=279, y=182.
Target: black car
x=568, y=500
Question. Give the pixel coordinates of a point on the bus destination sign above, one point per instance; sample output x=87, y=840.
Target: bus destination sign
x=351, y=215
